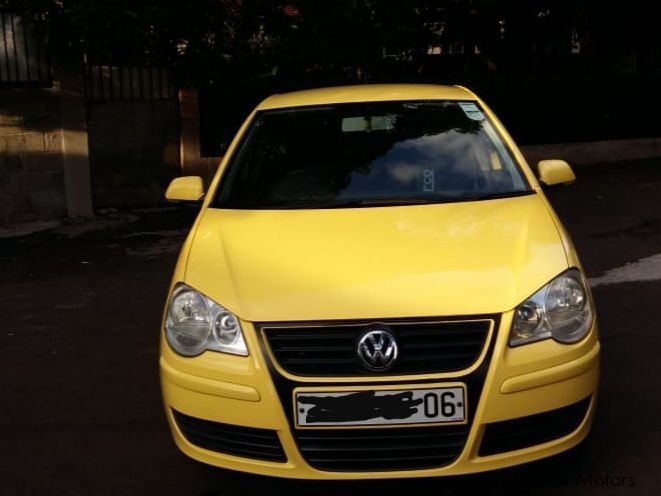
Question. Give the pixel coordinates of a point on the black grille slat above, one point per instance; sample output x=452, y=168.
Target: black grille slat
x=314, y=335
x=314, y=349
x=320, y=361
x=238, y=449
x=431, y=356
x=363, y=434
x=455, y=344
x=248, y=442
x=436, y=446
x=391, y=465
x=239, y=444
x=524, y=432
x=465, y=332
x=228, y=431
x=376, y=459
x=356, y=450
x=330, y=349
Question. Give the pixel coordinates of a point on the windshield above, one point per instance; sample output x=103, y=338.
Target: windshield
x=369, y=154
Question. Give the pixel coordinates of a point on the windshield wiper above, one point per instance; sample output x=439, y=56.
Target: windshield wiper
x=385, y=202
x=349, y=203
x=397, y=201
x=493, y=196
x=429, y=201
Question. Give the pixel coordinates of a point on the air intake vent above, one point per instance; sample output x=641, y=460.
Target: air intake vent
x=246, y=442
x=381, y=449
x=524, y=432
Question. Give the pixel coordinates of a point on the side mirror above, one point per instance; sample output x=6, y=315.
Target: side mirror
x=186, y=188
x=552, y=172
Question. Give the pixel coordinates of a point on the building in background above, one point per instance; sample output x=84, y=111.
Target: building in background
x=76, y=136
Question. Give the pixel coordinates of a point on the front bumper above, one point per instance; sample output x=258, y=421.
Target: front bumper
x=514, y=383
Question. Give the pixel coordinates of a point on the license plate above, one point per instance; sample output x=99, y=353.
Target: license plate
x=381, y=407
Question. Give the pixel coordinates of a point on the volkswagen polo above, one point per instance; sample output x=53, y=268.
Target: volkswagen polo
x=376, y=286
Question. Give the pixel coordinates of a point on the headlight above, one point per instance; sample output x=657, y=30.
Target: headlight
x=560, y=310
x=195, y=323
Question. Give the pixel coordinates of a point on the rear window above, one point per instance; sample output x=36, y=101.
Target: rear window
x=369, y=154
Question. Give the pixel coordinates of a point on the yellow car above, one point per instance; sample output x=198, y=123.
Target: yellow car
x=376, y=286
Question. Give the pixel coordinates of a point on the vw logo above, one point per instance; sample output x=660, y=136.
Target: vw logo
x=377, y=350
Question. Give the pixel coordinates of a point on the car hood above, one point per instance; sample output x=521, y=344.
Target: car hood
x=448, y=259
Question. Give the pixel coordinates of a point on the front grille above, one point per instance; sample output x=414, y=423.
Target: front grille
x=246, y=442
x=510, y=435
x=361, y=450
x=330, y=349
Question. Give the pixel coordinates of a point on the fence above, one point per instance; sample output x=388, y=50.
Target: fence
x=107, y=83
x=24, y=56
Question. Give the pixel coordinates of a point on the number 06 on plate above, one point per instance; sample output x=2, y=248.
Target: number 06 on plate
x=371, y=407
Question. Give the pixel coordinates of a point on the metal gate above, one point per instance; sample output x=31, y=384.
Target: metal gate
x=24, y=58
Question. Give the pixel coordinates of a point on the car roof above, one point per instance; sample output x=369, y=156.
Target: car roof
x=366, y=93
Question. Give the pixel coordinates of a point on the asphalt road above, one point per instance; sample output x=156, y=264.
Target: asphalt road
x=80, y=404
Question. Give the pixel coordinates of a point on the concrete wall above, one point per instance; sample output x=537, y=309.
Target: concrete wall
x=31, y=170
x=134, y=150
x=59, y=155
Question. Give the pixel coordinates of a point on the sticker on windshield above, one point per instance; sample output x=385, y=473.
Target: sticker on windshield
x=428, y=180
x=472, y=111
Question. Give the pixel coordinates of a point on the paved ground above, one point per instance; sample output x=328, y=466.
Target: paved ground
x=80, y=406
